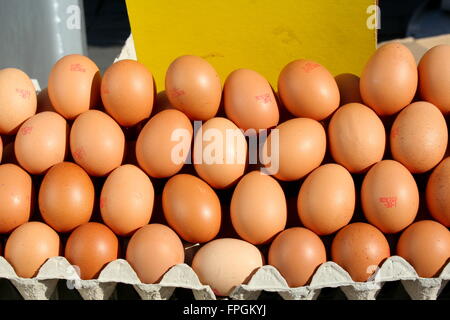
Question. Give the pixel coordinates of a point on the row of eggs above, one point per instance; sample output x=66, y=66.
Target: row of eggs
x=388, y=83
x=225, y=263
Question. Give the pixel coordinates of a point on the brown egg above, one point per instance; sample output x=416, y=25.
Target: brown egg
x=308, y=89
x=297, y=253
x=434, y=77
x=29, y=246
x=43, y=102
x=419, y=137
x=220, y=152
x=17, y=99
x=74, y=85
x=226, y=263
x=193, y=87
x=389, y=79
x=426, y=246
x=90, y=247
x=295, y=149
x=191, y=208
x=97, y=143
x=348, y=85
x=41, y=142
x=438, y=193
x=249, y=101
x=126, y=201
x=15, y=197
x=326, y=200
x=1, y=149
x=66, y=197
x=258, y=208
x=357, y=137
x=168, y=134
x=127, y=92
x=153, y=250
x=389, y=196
x=360, y=249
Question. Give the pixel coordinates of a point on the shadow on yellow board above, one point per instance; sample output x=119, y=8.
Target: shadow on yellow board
x=263, y=35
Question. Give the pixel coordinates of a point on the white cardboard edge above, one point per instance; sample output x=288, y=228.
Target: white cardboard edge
x=128, y=51
x=36, y=85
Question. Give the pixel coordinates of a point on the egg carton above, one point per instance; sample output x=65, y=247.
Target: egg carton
x=331, y=275
x=266, y=278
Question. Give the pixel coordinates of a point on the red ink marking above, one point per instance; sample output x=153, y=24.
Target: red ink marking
x=395, y=132
x=265, y=98
x=79, y=153
x=178, y=92
x=105, y=90
x=26, y=130
x=389, y=202
x=102, y=202
x=77, y=67
x=25, y=94
x=310, y=66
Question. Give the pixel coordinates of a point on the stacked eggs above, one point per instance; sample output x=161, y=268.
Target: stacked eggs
x=348, y=169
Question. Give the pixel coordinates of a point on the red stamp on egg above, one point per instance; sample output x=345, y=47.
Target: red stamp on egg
x=310, y=66
x=389, y=202
x=26, y=130
x=102, y=202
x=77, y=67
x=79, y=153
x=265, y=98
x=178, y=92
x=395, y=132
x=24, y=93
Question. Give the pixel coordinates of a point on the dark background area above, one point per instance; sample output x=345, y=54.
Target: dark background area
x=107, y=21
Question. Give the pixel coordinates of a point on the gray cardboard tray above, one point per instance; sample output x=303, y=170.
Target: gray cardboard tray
x=267, y=278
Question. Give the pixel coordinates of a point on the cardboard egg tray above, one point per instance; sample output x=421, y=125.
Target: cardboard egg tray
x=267, y=278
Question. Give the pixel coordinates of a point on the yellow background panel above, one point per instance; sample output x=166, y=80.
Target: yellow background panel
x=263, y=35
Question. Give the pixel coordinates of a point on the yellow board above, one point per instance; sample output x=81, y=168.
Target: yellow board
x=263, y=35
